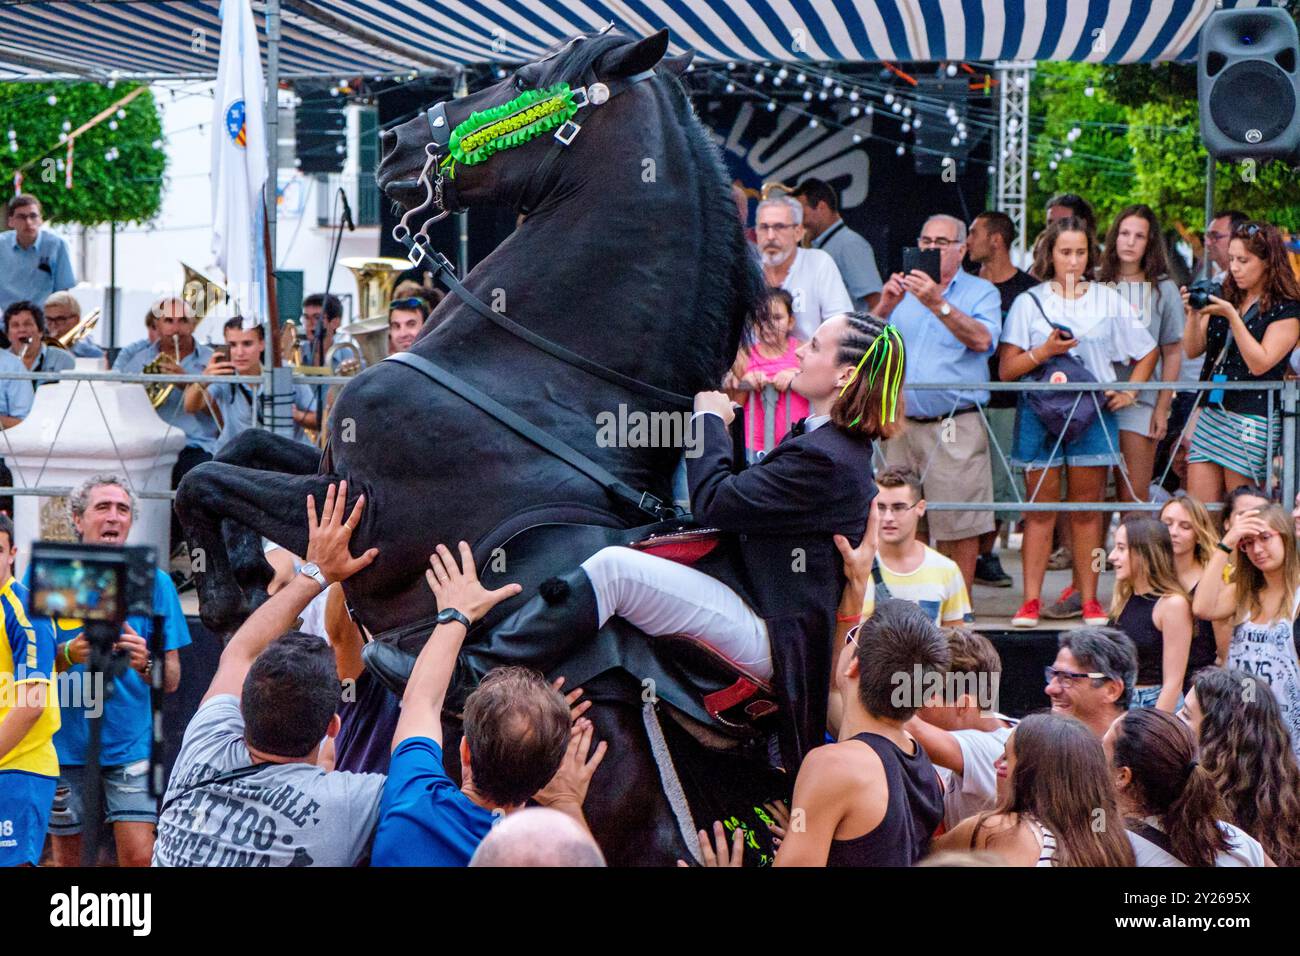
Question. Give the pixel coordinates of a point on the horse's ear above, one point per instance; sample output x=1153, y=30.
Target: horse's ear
x=637, y=57
x=676, y=65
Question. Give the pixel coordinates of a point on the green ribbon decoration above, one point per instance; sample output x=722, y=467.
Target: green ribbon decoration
x=529, y=115
x=884, y=357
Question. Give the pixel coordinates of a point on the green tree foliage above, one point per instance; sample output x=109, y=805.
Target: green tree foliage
x=1147, y=150
x=125, y=188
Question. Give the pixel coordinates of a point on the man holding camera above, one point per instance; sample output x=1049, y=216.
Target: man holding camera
x=102, y=512
x=29, y=718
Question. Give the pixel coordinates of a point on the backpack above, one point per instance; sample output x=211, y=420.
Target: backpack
x=1067, y=414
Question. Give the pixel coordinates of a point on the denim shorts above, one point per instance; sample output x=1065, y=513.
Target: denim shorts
x=1033, y=443
x=25, y=800
x=126, y=797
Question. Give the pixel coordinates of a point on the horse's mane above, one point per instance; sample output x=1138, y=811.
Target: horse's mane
x=738, y=293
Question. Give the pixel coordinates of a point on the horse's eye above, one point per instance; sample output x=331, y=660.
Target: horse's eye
x=521, y=82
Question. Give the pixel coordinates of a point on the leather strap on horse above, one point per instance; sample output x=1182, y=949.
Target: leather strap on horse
x=602, y=476
x=446, y=272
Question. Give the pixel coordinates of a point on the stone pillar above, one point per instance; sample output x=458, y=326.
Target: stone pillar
x=58, y=446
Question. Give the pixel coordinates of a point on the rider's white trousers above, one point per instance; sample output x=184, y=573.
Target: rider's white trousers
x=663, y=597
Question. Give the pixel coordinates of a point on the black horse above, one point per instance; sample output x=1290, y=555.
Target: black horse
x=630, y=256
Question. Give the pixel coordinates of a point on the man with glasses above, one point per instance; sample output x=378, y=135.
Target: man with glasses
x=909, y=569
x=321, y=314
x=951, y=327
x=33, y=263
x=405, y=319
x=62, y=313
x=1092, y=677
x=809, y=275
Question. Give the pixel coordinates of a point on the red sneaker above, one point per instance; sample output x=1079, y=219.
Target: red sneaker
x=1093, y=615
x=1027, y=616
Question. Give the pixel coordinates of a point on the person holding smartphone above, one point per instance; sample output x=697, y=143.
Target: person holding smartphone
x=234, y=405
x=1069, y=313
x=950, y=321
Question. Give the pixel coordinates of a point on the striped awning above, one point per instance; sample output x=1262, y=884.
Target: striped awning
x=347, y=37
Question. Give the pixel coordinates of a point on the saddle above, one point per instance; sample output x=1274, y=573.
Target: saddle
x=717, y=701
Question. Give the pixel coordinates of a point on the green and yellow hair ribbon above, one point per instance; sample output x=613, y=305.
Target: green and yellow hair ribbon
x=887, y=361
x=528, y=115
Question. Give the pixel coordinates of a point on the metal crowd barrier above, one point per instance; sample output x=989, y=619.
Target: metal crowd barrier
x=1284, y=394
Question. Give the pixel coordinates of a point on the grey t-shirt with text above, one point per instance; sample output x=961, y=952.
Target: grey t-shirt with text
x=283, y=815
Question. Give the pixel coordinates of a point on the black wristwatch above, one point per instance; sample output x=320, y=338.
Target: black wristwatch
x=447, y=615
x=1223, y=547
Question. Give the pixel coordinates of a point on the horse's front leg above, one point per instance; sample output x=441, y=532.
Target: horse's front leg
x=264, y=451
x=268, y=504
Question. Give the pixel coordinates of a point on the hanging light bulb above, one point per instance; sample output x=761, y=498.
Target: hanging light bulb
x=807, y=95
x=838, y=91
x=112, y=124
x=783, y=73
x=1067, y=152
x=771, y=106
x=853, y=95
x=907, y=127
x=900, y=150
x=63, y=137
x=896, y=107
x=955, y=141
x=157, y=144
x=1088, y=91
x=889, y=98
x=822, y=95
x=52, y=99
x=731, y=87
x=758, y=77
x=854, y=111
x=812, y=123
x=776, y=80
x=67, y=126
x=951, y=69
x=121, y=114
x=1052, y=164
x=801, y=78
x=827, y=82
x=992, y=170
x=731, y=64
x=857, y=137
x=917, y=122
x=1037, y=175
x=907, y=111
x=870, y=110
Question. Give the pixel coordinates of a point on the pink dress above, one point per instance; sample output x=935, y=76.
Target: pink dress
x=797, y=404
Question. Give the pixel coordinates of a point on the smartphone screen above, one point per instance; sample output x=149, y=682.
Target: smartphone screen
x=927, y=260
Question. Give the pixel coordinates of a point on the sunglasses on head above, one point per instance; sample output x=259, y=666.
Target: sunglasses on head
x=411, y=303
x=1247, y=230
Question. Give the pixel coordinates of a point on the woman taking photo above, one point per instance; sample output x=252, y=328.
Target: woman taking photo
x=1192, y=535
x=1261, y=603
x=1069, y=313
x=1246, y=750
x=1247, y=335
x=1172, y=808
x=1151, y=606
x=1053, y=786
x=1135, y=263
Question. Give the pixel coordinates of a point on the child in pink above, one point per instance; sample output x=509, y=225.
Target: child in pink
x=770, y=361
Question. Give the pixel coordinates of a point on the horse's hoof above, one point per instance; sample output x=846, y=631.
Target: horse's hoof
x=392, y=666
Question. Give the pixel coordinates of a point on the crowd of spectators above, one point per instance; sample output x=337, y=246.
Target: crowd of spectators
x=1173, y=729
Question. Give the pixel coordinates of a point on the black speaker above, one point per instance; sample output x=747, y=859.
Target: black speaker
x=320, y=125
x=1248, y=85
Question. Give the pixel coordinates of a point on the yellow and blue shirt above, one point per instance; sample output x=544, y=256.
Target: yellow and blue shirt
x=27, y=656
x=936, y=585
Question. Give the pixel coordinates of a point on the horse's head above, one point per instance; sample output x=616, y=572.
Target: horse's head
x=488, y=146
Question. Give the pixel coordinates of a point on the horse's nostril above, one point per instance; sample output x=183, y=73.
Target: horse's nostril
x=388, y=139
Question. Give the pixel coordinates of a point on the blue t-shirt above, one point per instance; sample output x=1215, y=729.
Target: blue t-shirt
x=424, y=819
x=127, y=734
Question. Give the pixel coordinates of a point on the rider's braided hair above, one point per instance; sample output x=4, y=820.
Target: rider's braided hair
x=871, y=403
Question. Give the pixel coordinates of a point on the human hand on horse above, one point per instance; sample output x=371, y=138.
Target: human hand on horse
x=717, y=402
x=567, y=790
x=328, y=537
x=779, y=811
x=457, y=585
x=733, y=856
x=576, y=708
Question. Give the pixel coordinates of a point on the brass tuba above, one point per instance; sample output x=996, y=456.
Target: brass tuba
x=364, y=341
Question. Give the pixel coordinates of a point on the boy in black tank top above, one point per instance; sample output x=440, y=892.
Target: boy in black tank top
x=873, y=798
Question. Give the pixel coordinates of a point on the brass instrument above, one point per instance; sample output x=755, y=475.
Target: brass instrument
x=201, y=294
x=74, y=335
x=158, y=391
x=364, y=341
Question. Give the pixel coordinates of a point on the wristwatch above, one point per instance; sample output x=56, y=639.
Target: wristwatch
x=313, y=571
x=945, y=309
x=449, y=614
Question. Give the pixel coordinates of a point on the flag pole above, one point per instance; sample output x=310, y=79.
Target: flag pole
x=278, y=388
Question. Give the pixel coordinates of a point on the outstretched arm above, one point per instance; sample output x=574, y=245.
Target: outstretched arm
x=327, y=547
x=456, y=586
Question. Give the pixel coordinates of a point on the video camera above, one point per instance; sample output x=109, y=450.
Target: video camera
x=93, y=582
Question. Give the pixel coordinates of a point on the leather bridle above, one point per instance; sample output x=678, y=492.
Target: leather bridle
x=439, y=200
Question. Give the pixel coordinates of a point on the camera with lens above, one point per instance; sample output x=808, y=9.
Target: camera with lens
x=1199, y=292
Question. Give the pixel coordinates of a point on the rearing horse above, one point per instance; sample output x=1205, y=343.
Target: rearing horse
x=630, y=256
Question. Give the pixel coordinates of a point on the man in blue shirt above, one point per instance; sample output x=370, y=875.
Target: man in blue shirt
x=517, y=737
x=180, y=354
x=235, y=406
x=33, y=263
x=102, y=512
x=950, y=327
x=62, y=313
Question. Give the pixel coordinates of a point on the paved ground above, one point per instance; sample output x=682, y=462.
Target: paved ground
x=995, y=606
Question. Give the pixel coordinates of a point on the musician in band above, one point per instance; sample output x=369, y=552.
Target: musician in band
x=24, y=326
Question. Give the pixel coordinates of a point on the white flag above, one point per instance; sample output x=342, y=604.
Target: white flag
x=239, y=160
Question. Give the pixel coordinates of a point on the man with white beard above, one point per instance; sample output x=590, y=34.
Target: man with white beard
x=809, y=275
